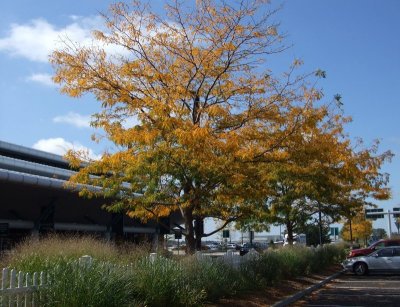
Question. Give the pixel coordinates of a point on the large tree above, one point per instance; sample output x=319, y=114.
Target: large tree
x=206, y=111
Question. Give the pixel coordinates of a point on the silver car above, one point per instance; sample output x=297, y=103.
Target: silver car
x=383, y=260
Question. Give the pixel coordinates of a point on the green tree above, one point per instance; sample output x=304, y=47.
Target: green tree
x=311, y=230
x=379, y=233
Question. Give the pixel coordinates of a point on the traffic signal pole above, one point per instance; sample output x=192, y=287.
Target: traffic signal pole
x=376, y=215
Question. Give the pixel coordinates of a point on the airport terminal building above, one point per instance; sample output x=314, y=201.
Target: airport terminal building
x=34, y=201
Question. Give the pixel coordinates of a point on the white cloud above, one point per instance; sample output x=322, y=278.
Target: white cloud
x=44, y=79
x=59, y=146
x=37, y=39
x=74, y=119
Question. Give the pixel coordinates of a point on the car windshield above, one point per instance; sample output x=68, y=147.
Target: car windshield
x=376, y=245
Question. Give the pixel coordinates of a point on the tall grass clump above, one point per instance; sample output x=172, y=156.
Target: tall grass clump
x=213, y=277
x=276, y=265
x=295, y=261
x=262, y=271
x=189, y=282
x=164, y=282
x=99, y=284
x=35, y=255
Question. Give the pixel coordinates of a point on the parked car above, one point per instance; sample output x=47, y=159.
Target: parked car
x=386, y=259
x=213, y=246
x=245, y=248
x=373, y=247
x=231, y=245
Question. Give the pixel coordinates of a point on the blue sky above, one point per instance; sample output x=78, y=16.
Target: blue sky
x=356, y=42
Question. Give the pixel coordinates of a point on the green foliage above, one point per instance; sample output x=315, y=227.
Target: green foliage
x=312, y=234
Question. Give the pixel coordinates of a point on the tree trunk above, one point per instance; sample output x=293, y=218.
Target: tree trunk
x=189, y=232
x=199, y=231
x=289, y=229
x=320, y=224
x=351, y=231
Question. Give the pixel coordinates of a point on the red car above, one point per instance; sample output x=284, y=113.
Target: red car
x=377, y=245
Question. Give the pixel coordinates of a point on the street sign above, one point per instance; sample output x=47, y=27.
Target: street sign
x=396, y=215
x=225, y=233
x=178, y=234
x=374, y=213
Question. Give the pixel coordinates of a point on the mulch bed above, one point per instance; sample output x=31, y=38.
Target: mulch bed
x=273, y=294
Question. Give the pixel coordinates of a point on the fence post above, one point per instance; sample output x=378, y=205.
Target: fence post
x=13, y=278
x=20, y=279
x=42, y=281
x=28, y=280
x=86, y=261
x=4, y=279
x=153, y=257
x=35, y=280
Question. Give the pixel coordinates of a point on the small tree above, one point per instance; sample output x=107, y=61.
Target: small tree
x=379, y=233
x=361, y=228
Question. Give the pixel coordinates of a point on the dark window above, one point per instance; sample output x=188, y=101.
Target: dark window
x=379, y=245
x=393, y=243
x=396, y=252
x=387, y=252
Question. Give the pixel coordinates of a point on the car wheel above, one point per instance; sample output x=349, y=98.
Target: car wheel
x=360, y=268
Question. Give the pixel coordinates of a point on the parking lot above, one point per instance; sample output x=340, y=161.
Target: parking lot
x=351, y=290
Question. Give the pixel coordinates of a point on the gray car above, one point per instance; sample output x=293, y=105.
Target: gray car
x=383, y=260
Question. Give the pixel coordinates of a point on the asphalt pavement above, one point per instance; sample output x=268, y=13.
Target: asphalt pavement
x=351, y=290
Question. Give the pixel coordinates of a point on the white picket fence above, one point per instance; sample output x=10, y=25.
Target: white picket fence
x=18, y=288
x=230, y=257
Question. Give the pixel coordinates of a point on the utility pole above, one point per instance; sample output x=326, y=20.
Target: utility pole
x=378, y=213
x=320, y=223
x=390, y=223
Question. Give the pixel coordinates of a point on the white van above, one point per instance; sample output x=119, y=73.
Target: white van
x=298, y=239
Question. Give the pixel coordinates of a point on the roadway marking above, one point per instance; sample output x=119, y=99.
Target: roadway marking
x=360, y=280
x=360, y=294
x=360, y=288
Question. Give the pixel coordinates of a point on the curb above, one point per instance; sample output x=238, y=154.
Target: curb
x=291, y=299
